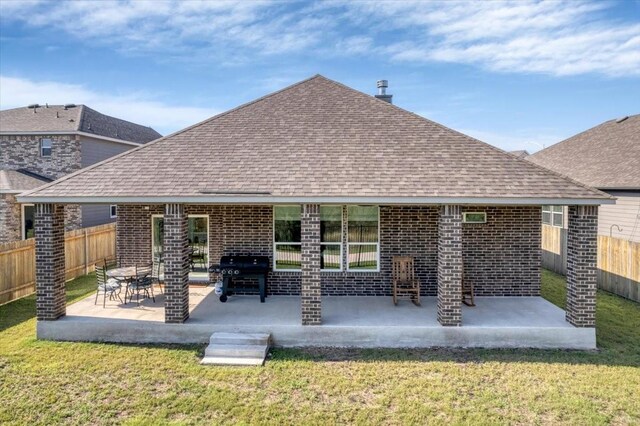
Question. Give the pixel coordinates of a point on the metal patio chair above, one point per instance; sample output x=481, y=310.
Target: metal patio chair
x=106, y=286
x=143, y=283
x=405, y=283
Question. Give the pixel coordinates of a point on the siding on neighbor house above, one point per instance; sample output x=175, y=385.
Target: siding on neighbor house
x=95, y=150
x=625, y=213
x=502, y=257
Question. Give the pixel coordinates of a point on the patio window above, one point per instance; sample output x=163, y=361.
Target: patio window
x=363, y=248
x=552, y=215
x=197, y=233
x=287, y=238
x=331, y=238
x=28, y=228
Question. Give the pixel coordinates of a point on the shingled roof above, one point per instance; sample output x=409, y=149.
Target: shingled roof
x=321, y=141
x=80, y=118
x=17, y=181
x=606, y=156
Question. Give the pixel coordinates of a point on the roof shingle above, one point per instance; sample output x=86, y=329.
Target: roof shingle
x=606, y=156
x=317, y=138
x=80, y=118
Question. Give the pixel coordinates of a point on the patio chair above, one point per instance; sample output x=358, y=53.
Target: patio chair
x=106, y=286
x=155, y=275
x=197, y=255
x=405, y=283
x=467, y=290
x=143, y=283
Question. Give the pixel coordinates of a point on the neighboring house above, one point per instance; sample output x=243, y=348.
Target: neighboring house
x=330, y=184
x=521, y=153
x=606, y=157
x=42, y=143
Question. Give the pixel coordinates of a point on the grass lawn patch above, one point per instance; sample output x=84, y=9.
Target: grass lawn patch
x=88, y=383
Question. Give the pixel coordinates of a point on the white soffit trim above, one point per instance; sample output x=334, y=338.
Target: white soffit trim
x=90, y=135
x=315, y=200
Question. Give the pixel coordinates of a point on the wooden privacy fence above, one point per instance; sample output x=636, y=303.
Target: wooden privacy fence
x=83, y=248
x=618, y=261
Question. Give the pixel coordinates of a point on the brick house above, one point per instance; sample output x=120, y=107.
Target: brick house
x=330, y=183
x=41, y=143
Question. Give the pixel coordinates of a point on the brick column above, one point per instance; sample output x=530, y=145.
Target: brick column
x=310, y=292
x=582, y=276
x=176, y=264
x=50, y=277
x=450, y=265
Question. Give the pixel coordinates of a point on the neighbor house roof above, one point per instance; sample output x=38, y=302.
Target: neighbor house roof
x=520, y=153
x=606, y=156
x=17, y=181
x=73, y=119
x=316, y=141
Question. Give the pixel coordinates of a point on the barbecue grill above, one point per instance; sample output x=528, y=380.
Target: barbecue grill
x=233, y=267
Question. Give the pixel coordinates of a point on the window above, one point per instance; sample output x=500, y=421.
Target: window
x=197, y=233
x=287, y=238
x=331, y=238
x=28, y=228
x=552, y=215
x=45, y=147
x=113, y=211
x=362, y=238
x=474, y=217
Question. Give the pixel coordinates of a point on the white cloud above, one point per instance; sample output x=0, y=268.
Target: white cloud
x=559, y=38
x=528, y=36
x=165, y=118
x=531, y=141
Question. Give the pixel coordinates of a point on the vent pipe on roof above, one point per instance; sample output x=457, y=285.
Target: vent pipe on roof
x=382, y=91
x=621, y=119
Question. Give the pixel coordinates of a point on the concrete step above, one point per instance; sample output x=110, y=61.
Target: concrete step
x=240, y=339
x=238, y=351
x=213, y=360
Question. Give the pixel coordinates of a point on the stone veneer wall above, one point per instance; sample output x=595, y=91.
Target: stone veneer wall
x=502, y=256
x=23, y=152
x=10, y=227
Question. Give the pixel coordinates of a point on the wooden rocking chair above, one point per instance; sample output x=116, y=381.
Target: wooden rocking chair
x=405, y=283
x=467, y=290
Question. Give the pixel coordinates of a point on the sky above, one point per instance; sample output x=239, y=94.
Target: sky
x=518, y=75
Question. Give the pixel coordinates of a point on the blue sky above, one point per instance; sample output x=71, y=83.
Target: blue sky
x=518, y=75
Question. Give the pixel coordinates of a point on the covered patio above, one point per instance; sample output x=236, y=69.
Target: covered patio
x=330, y=192
x=348, y=321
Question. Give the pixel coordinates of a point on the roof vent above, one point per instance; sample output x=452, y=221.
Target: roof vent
x=67, y=106
x=621, y=119
x=382, y=91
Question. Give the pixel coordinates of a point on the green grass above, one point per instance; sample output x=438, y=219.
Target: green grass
x=88, y=383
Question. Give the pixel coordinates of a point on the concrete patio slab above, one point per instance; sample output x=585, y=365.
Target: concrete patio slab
x=347, y=321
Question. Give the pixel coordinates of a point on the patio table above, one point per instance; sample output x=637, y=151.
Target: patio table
x=127, y=273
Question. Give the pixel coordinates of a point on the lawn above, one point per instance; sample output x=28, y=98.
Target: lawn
x=87, y=383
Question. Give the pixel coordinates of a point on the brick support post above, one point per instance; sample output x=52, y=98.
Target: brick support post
x=582, y=251
x=311, y=288
x=50, y=277
x=450, y=265
x=176, y=264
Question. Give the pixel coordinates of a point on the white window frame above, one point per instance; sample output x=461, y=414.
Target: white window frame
x=23, y=231
x=153, y=216
x=464, y=217
x=273, y=238
x=377, y=244
x=42, y=147
x=333, y=243
x=552, y=215
x=111, y=207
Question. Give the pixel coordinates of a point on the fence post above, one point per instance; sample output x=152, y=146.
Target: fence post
x=86, y=252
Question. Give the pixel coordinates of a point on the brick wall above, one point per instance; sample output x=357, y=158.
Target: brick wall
x=582, y=248
x=50, y=276
x=450, y=265
x=23, y=152
x=311, y=301
x=502, y=256
x=10, y=217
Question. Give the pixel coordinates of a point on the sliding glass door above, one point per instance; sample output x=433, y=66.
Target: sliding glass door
x=198, y=234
